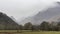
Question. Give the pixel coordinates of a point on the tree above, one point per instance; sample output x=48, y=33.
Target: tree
x=20, y=27
x=53, y=26
x=44, y=26
x=58, y=26
x=35, y=28
x=28, y=26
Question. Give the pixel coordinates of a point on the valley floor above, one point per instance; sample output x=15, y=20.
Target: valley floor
x=28, y=32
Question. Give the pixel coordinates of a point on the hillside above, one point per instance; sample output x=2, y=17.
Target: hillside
x=6, y=22
x=44, y=15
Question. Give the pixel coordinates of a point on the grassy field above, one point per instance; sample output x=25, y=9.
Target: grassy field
x=28, y=32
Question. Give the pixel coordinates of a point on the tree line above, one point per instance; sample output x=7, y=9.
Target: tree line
x=44, y=26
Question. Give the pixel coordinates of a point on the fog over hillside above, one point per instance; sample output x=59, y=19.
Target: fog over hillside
x=34, y=11
x=44, y=15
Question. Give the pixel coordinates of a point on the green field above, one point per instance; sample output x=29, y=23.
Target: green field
x=28, y=32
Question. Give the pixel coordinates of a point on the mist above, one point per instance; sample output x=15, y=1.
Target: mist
x=24, y=8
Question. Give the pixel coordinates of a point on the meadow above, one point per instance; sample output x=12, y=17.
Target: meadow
x=28, y=32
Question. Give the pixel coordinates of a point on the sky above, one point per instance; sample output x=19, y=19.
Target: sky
x=24, y=8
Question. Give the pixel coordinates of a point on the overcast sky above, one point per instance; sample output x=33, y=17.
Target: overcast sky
x=24, y=8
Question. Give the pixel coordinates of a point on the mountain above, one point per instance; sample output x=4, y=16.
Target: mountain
x=13, y=19
x=25, y=20
x=44, y=15
x=6, y=22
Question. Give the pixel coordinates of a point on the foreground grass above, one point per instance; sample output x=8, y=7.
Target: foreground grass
x=41, y=32
x=28, y=32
